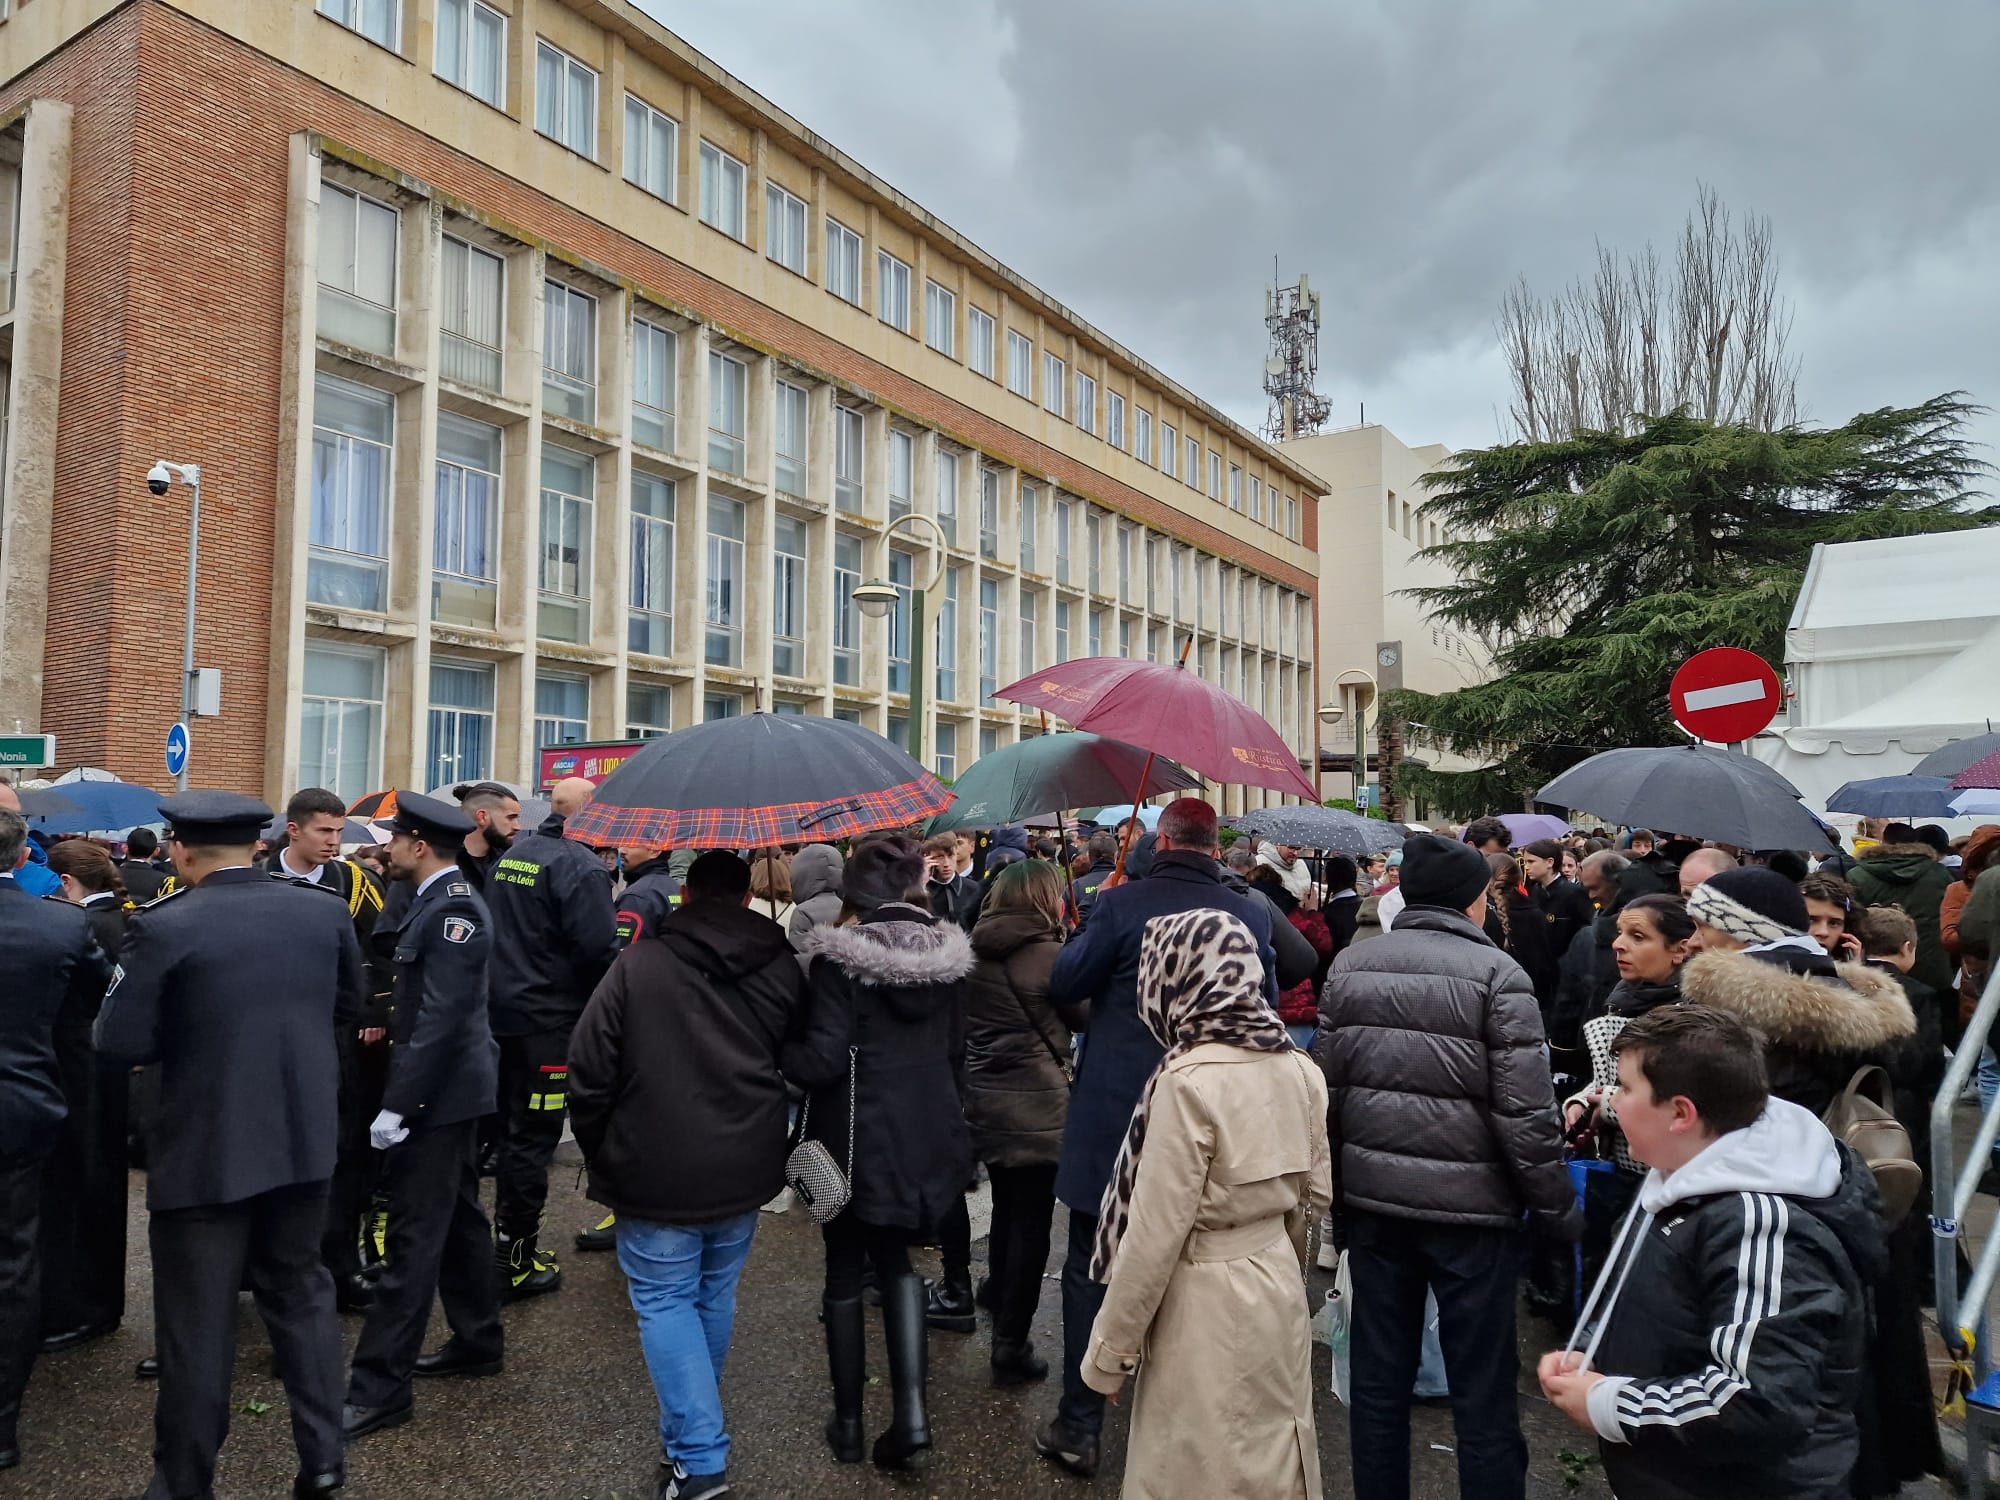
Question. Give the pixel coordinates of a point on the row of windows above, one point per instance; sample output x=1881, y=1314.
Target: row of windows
x=471, y=51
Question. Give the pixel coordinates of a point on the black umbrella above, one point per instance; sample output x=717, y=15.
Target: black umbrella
x=1325, y=828
x=1693, y=790
x=1959, y=755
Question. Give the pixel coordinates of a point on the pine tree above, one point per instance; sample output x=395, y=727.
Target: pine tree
x=1595, y=565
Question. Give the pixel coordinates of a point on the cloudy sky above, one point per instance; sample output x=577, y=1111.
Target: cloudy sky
x=1144, y=160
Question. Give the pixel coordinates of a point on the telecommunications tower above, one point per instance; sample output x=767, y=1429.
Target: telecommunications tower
x=1292, y=315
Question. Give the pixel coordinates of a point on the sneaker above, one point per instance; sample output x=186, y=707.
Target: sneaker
x=602, y=1235
x=1329, y=1253
x=677, y=1484
x=1067, y=1448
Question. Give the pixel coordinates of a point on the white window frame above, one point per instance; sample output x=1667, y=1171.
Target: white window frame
x=1021, y=365
x=843, y=262
x=847, y=577
x=1114, y=419
x=578, y=383
x=892, y=291
x=477, y=362
x=1086, y=402
x=1065, y=525
x=1191, y=445
x=351, y=15
x=1236, y=487
x=850, y=460
x=339, y=198
x=451, y=539
x=334, y=544
x=550, y=728
x=902, y=473
x=639, y=149
x=474, y=11
x=782, y=211
x=1292, y=517
x=650, y=597
x=790, y=607
x=1055, y=383
x=1170, y=451
x=454, y=768
x=1214, y=475
x=556, y=125
x=549, y=568
x=728, y=422
x=648, y=728
x=644, y=333
x=340, y=706
x=715, y=166
x=726, y=559
x=791, y=421
x=1142, y=434
x=979, y=341
x=941, y=318
x=1029, y=504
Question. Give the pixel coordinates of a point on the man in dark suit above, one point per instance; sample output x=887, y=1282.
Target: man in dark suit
x=443, y=1067
x=235, y=984
x=48, y=961
x=141, y=870
x=1119, y=1055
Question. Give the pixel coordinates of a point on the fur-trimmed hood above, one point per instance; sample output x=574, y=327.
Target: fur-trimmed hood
x=1883, y=852
x=900, y=947
x=1864, y=1010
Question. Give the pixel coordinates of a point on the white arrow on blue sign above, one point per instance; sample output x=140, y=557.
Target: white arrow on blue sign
x=177, y=749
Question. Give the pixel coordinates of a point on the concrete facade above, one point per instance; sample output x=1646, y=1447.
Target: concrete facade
x=266, y=274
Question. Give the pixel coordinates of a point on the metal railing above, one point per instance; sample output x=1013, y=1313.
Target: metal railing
x=1953, y=1183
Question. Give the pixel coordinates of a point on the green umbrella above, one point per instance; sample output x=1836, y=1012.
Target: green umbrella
x=1052, y=773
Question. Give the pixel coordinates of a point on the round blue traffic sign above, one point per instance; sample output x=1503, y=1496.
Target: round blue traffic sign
x=177, y=749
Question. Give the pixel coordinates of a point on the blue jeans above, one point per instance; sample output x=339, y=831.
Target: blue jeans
x=683, y=1285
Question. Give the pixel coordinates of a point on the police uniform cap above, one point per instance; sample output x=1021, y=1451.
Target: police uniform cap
x=215, y=818
x=429, y=819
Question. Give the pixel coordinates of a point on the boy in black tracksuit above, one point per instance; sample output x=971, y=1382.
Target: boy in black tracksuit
x=1724, y=1346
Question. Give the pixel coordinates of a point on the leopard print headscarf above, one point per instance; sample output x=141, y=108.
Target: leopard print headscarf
x=1200, y=981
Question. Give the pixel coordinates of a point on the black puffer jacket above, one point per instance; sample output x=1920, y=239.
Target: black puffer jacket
x=1016, y=1090
x=1441, y=1105
x=1735, y=1331
x=674, y=1088
x=892, y=988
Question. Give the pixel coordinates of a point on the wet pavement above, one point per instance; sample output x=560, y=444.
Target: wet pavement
x=574, y=1418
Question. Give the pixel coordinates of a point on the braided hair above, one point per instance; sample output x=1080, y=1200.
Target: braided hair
x=89, y=865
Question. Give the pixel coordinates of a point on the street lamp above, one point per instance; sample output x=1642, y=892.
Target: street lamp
x=1331, y=713
x=1354, y=681
x=159, y=479
x=878, y=597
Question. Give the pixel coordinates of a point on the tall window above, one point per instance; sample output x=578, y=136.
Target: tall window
x=789, y=425
x=788, y=598
x=989, y=739
x=1114, y=419
x=1030, y=649
x=1153, y=570
x=1125, y=546
x=654, y=357
x=1256, y=499
x=1128, y=630
x=723, y=642
x=472, y=316
x=849, y=434
x=979, y=342
x=902, y=573
x=947, y=494
x=892, y=291
x=843, y=261
x=568, y=485
x=1214, y=475
x=721, y=706
x=846, y=613
x=1065, y=516
x=721, y=191
x=1054, y=374
x=1193, y=475
x=1170, y=451
x=562, y=709
x=1020, y=365
x=378, y=20
x=1142, y=435
x=340, y=728
x=989, y=513
x=652, y=148
x=348, y=546
x=1086, y=402
x=785, y=228
x=649, y=623
x=940, y=318
x=1156, y=637
x=902, y=462
x=1292, y=517
x=649, y=711
x=1062, y=630
x=1235, y=487
x=989, y=638
x=357, y=270
x=946, y=652
x=569, y=353
x=565, y=100
x=459, y=735
x=945, y=759
x=1093, y=546
x=1030, y=503
x=472, y=49
x=467, y=501
x=728, y=384
x=1097, y=632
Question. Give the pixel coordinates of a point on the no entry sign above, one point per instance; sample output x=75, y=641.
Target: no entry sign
x=1725, y=695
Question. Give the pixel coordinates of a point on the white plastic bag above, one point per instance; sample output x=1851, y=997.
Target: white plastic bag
x=1332, y=1324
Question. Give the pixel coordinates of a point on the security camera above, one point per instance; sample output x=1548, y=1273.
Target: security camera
x=158, y=480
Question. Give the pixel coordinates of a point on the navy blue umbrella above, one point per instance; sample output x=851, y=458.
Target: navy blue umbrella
x=1903, y=797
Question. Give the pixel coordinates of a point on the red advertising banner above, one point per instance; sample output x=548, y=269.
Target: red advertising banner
x=593, y=763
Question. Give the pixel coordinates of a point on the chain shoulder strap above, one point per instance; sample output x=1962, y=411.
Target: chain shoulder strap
x=852, y=1053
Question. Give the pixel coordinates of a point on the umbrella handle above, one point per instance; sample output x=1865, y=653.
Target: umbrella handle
x=1118, y=873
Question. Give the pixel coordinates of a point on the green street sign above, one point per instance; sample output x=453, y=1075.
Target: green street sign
x=27, y=752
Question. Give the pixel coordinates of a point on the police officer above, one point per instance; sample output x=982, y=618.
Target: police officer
x=235, y=985
x=442, y=1068
x=554, y=936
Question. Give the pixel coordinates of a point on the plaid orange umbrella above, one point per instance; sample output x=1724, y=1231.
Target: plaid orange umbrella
x=759, y=779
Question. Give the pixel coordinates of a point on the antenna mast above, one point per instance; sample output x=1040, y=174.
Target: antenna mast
x=1292, y=315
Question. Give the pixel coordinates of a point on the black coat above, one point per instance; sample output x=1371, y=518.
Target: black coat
x=142, y=879
x=651, y=896
x=1017, y=1042
x=892, y=988
x=444, y=1065
x=555, y=931
x=51, y=969
x=1566, y=910
x=1083, y=890
x=674, y=1088
x=1527, y=943
x=237, y=988
x=365, y=899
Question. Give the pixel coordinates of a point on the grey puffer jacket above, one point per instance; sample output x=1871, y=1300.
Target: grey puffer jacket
x=816, y=873
x=1440, y=1104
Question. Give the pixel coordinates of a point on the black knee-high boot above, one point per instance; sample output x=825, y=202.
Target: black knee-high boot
x=907, y=1443
x=846, y=1361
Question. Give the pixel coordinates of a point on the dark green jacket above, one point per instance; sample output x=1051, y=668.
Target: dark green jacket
x=1909, y=876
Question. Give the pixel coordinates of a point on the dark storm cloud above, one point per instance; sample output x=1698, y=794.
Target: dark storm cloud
x=1144, y=160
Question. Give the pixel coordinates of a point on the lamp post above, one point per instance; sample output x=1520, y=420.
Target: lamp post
x=878, y=597
x=1354, y=681
x=1330, y=713
x=159, y=479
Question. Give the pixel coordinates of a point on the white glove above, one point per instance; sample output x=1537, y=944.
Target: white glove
x=388, y=1130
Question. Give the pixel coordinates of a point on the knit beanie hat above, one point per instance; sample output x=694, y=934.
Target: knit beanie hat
x=881, y=871
x=1752, y=905
x=1442, y=872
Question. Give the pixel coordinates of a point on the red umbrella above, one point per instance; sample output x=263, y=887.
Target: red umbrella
x=1981, y=773
x=1169, y=711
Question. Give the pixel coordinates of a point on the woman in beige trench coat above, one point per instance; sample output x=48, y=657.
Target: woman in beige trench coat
x=1202, y=1240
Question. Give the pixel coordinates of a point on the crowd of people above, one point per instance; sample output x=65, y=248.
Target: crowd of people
x=1616, y=1075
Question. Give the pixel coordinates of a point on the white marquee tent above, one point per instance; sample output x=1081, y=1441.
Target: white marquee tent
x=1893, y=650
